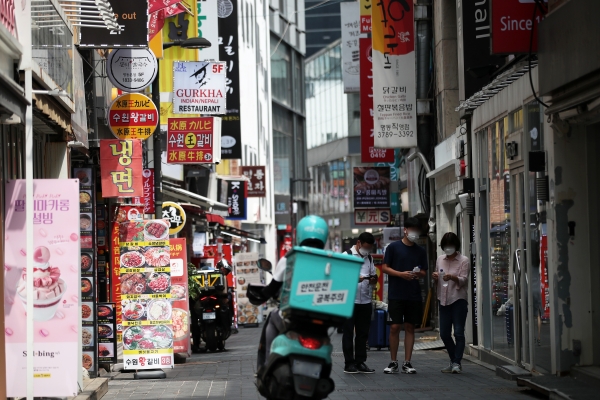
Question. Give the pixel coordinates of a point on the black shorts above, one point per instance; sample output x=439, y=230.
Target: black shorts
x=401, y=311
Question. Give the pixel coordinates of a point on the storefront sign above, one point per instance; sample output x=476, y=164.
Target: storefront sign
x=56, y=311
x=199, y=87
x=512, y=24
x=145, y=276
x=89, y=277
x=107, y=333
x=350, y=14
x=131, y=70
x=193, y=140
x=179, y=297
x=372, y=217
x=132, y=17
x=156, y=5
x=256, y=186
x=120, y=213
x=544, y=278
x=148, y=185
x=365, y=16
x=394, y=75
x=121, y=168
x=372, y=187
x=236, y=199
x=132, y=116
x=208, y=27
x=246, y=272
x=231, y=140
x=368, y=152
x=378, y=262
x=175, y=214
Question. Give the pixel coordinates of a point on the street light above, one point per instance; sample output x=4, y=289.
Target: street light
x=292, y=215
x=191, y=43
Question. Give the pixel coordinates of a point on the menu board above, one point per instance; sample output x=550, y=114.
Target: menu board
x=246, y=271
x=107, y=333
x=87, y=225
x=179, y=297
x=146, y=308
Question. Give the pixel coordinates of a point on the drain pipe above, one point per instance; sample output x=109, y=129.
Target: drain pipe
x=421, y=157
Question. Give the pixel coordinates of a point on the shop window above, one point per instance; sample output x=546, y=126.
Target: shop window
x=515, y=121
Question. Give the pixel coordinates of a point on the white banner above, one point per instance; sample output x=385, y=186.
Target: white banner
x=350, y=14
x=199, y=87
x=208, y=28
x=394, y=77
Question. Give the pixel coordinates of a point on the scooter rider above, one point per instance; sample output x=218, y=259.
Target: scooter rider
x=312, y=231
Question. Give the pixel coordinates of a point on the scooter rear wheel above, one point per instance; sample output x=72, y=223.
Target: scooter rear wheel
x=210, y=337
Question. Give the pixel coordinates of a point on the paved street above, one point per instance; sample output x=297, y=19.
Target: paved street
x=231, y=374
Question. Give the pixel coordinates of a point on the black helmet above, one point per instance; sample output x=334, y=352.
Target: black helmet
x=224, y=266
x=255, y=295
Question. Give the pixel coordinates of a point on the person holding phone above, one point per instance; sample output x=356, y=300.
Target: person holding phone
x=356, y=328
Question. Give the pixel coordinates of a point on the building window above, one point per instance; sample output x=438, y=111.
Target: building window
x=281, y=77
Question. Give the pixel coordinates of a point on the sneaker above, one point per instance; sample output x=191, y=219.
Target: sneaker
x=392, y=368
x=363, y=369
x=456, y=368
x=448, y=369
x=350, y=369
x=407, y=368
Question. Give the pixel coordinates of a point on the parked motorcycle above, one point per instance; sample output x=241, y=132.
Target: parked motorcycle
x=318, y=292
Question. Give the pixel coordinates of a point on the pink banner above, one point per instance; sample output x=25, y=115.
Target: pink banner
x=57, y=288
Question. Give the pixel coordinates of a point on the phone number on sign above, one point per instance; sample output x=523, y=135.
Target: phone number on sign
x=393, y=134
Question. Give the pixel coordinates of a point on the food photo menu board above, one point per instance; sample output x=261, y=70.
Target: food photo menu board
x=107, y=333
x=87, y=213
x=146, y=309
x=246, y=271
x=179, y=297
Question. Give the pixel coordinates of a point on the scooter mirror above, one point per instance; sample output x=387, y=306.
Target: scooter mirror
x=265, y=265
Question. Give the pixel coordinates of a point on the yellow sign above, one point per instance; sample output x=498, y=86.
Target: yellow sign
x=176, y=216
x=132, y=116
x=208, y=280
x=365, y=16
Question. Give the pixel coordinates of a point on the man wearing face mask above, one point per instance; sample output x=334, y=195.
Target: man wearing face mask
x=355, y=351
x=404, y=262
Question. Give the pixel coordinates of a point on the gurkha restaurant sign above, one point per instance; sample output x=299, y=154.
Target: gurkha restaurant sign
x=121, y=168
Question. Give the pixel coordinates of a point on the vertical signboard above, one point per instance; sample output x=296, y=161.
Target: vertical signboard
x=179, y=297
x=89, y=281
x=394, y=74
x=372, y=187
x=56, y=291
x=235, y=193
x=148, y=199
x=246, y=272
x=512, y=25
x=199, y=87
x=545, y=287
x=208, y=27
x=121, y=168
x=365, y=16
x=256, y=184
x=107, y=333
x=194, y=140
x=145, y=276
x=368, y=152
x=350, y=15
x=231, y=137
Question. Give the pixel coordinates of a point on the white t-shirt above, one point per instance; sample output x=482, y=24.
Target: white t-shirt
x=279, y=272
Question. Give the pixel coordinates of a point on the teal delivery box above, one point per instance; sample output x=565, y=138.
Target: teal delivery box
x=320, y=284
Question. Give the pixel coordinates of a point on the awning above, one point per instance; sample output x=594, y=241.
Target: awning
x=238, y=233
x=189, y=197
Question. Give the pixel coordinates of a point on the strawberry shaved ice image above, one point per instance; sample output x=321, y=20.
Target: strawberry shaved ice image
x=47, y=285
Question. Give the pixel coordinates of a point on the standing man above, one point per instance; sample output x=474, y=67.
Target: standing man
x=405, y=262
x=355, y=350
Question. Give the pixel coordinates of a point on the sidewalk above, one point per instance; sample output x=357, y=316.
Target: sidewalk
x=231, y=374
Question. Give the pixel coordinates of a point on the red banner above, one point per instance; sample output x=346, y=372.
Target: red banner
x=155, y=5
x=190, y=140
x=148, y=199
x=179, y=297
x=368, y=152
x=512, y=24
x=121, y=168
x=256, y=187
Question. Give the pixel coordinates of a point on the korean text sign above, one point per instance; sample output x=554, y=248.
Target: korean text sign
x=257, y=185
x=145, y=276
x=236, y=199
x=193, y=140
x=179, y=296
x=57, y=313
x=121, y=168
x=365, y=15
x=394, y=74
x=372, y=187
x=350, y=47
x=148, y=199
x=132, y=116
x=368, y=152
x=199, y=87
x=512, y=25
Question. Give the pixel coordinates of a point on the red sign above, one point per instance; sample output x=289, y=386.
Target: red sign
x=286, y=246
x=190, y=140
x=148, y=199
x=368, y=152
x=365, y=16
x=512, y=24
x=121, y=167
x=155, y=5
x=179, y=296
x=256, y=187
x=7, y=15
x=132, y=116
x=372, y=217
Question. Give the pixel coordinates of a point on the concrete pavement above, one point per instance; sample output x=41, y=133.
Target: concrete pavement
x=231, y=375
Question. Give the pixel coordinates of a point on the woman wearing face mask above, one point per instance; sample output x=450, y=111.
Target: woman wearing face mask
x=453, y=269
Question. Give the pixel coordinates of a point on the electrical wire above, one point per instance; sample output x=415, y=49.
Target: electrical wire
x=542, y=12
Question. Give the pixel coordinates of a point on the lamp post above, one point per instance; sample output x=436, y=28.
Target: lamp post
x=191, y=43
x=292, y=214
